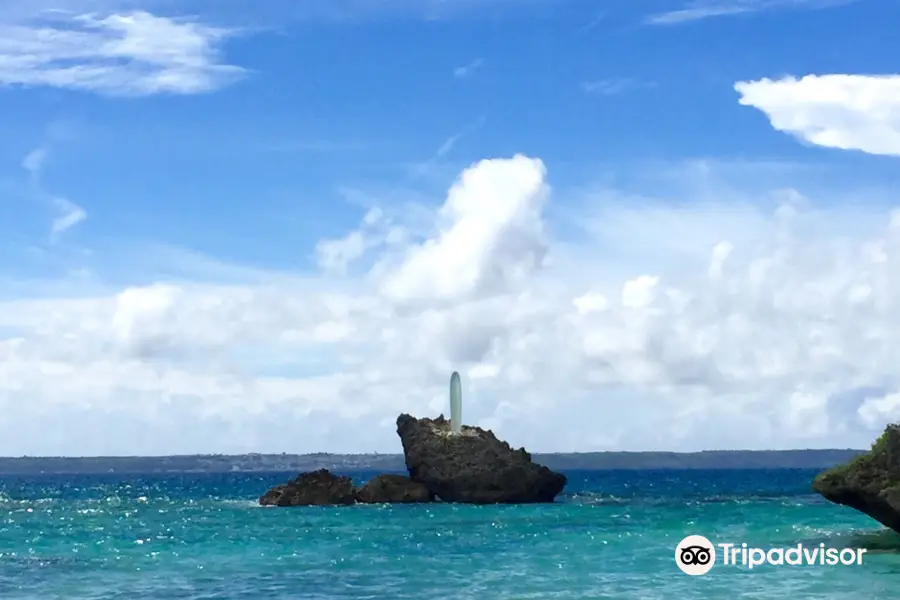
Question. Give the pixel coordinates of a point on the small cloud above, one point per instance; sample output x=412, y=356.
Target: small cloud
x=134, y=54
x=421, y=168
x=611, y=87
x=71, y=215
x=592, y=23
x=697, y=13
x=334, y=256
x=447, y=146
x=34, y=161
x=705, y=9
x=463, y=72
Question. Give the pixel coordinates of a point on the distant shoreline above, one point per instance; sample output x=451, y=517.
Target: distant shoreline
x=257, y=463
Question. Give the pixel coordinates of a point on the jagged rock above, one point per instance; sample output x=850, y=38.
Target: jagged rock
x=314, y=488
x=393, y=488
x=870, y=483
x=473, y=466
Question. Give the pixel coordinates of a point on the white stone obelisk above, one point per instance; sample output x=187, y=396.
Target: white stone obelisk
x=455, y=403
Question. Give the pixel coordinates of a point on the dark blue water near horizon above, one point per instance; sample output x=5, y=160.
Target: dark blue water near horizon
x=612, y=534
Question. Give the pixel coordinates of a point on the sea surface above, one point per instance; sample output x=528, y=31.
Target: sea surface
x=611, y=535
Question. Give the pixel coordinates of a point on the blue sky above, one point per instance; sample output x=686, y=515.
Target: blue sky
x=239, y=221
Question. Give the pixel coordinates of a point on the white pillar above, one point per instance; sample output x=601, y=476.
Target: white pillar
x=455, y=403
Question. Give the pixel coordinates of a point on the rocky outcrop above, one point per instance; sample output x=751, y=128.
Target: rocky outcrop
x=473, y=466
x=324, y=488
x=315, y=488
x=870, y=483
x=393, y=489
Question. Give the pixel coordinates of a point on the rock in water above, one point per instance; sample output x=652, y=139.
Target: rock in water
x=870, y=483
x=473, y=466
x=393, y=488
x=314, y=488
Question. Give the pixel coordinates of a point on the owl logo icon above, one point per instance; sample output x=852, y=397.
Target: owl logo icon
x=695, y=555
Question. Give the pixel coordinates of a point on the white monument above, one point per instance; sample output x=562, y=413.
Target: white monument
x=455, y=403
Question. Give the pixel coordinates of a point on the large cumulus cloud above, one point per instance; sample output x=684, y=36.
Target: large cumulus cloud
x=660, y=325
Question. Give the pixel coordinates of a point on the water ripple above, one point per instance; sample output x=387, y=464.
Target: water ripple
x=612, y=535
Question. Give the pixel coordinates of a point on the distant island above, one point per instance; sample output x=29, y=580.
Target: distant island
x=270, y=463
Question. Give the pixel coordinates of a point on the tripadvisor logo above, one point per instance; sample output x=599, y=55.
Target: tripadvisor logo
x=696, y=555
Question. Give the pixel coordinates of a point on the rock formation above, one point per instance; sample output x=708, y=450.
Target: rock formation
x=870, y=483
x=324, y=488
x=393, y=488
x=473, y=466
x=315, y=488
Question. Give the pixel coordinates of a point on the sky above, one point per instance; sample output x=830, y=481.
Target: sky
x=273, y=226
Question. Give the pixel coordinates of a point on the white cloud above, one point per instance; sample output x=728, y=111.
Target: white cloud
x=877, y=410
x=706, y=9
x=465, y=71
x=673, y=324
x=611, y=87
x=849, y=112
x=425, y=167
x=69, y=214
x=697, y=11
x=489, y=238
x=34, y=161
x=335, y=256
x=134, y=53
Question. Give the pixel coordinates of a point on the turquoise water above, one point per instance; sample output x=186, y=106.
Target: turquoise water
x=612, y=535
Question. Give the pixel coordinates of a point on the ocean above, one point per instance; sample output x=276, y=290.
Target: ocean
x=611, y=535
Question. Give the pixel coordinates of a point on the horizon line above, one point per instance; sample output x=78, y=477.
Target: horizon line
x=400, y=454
